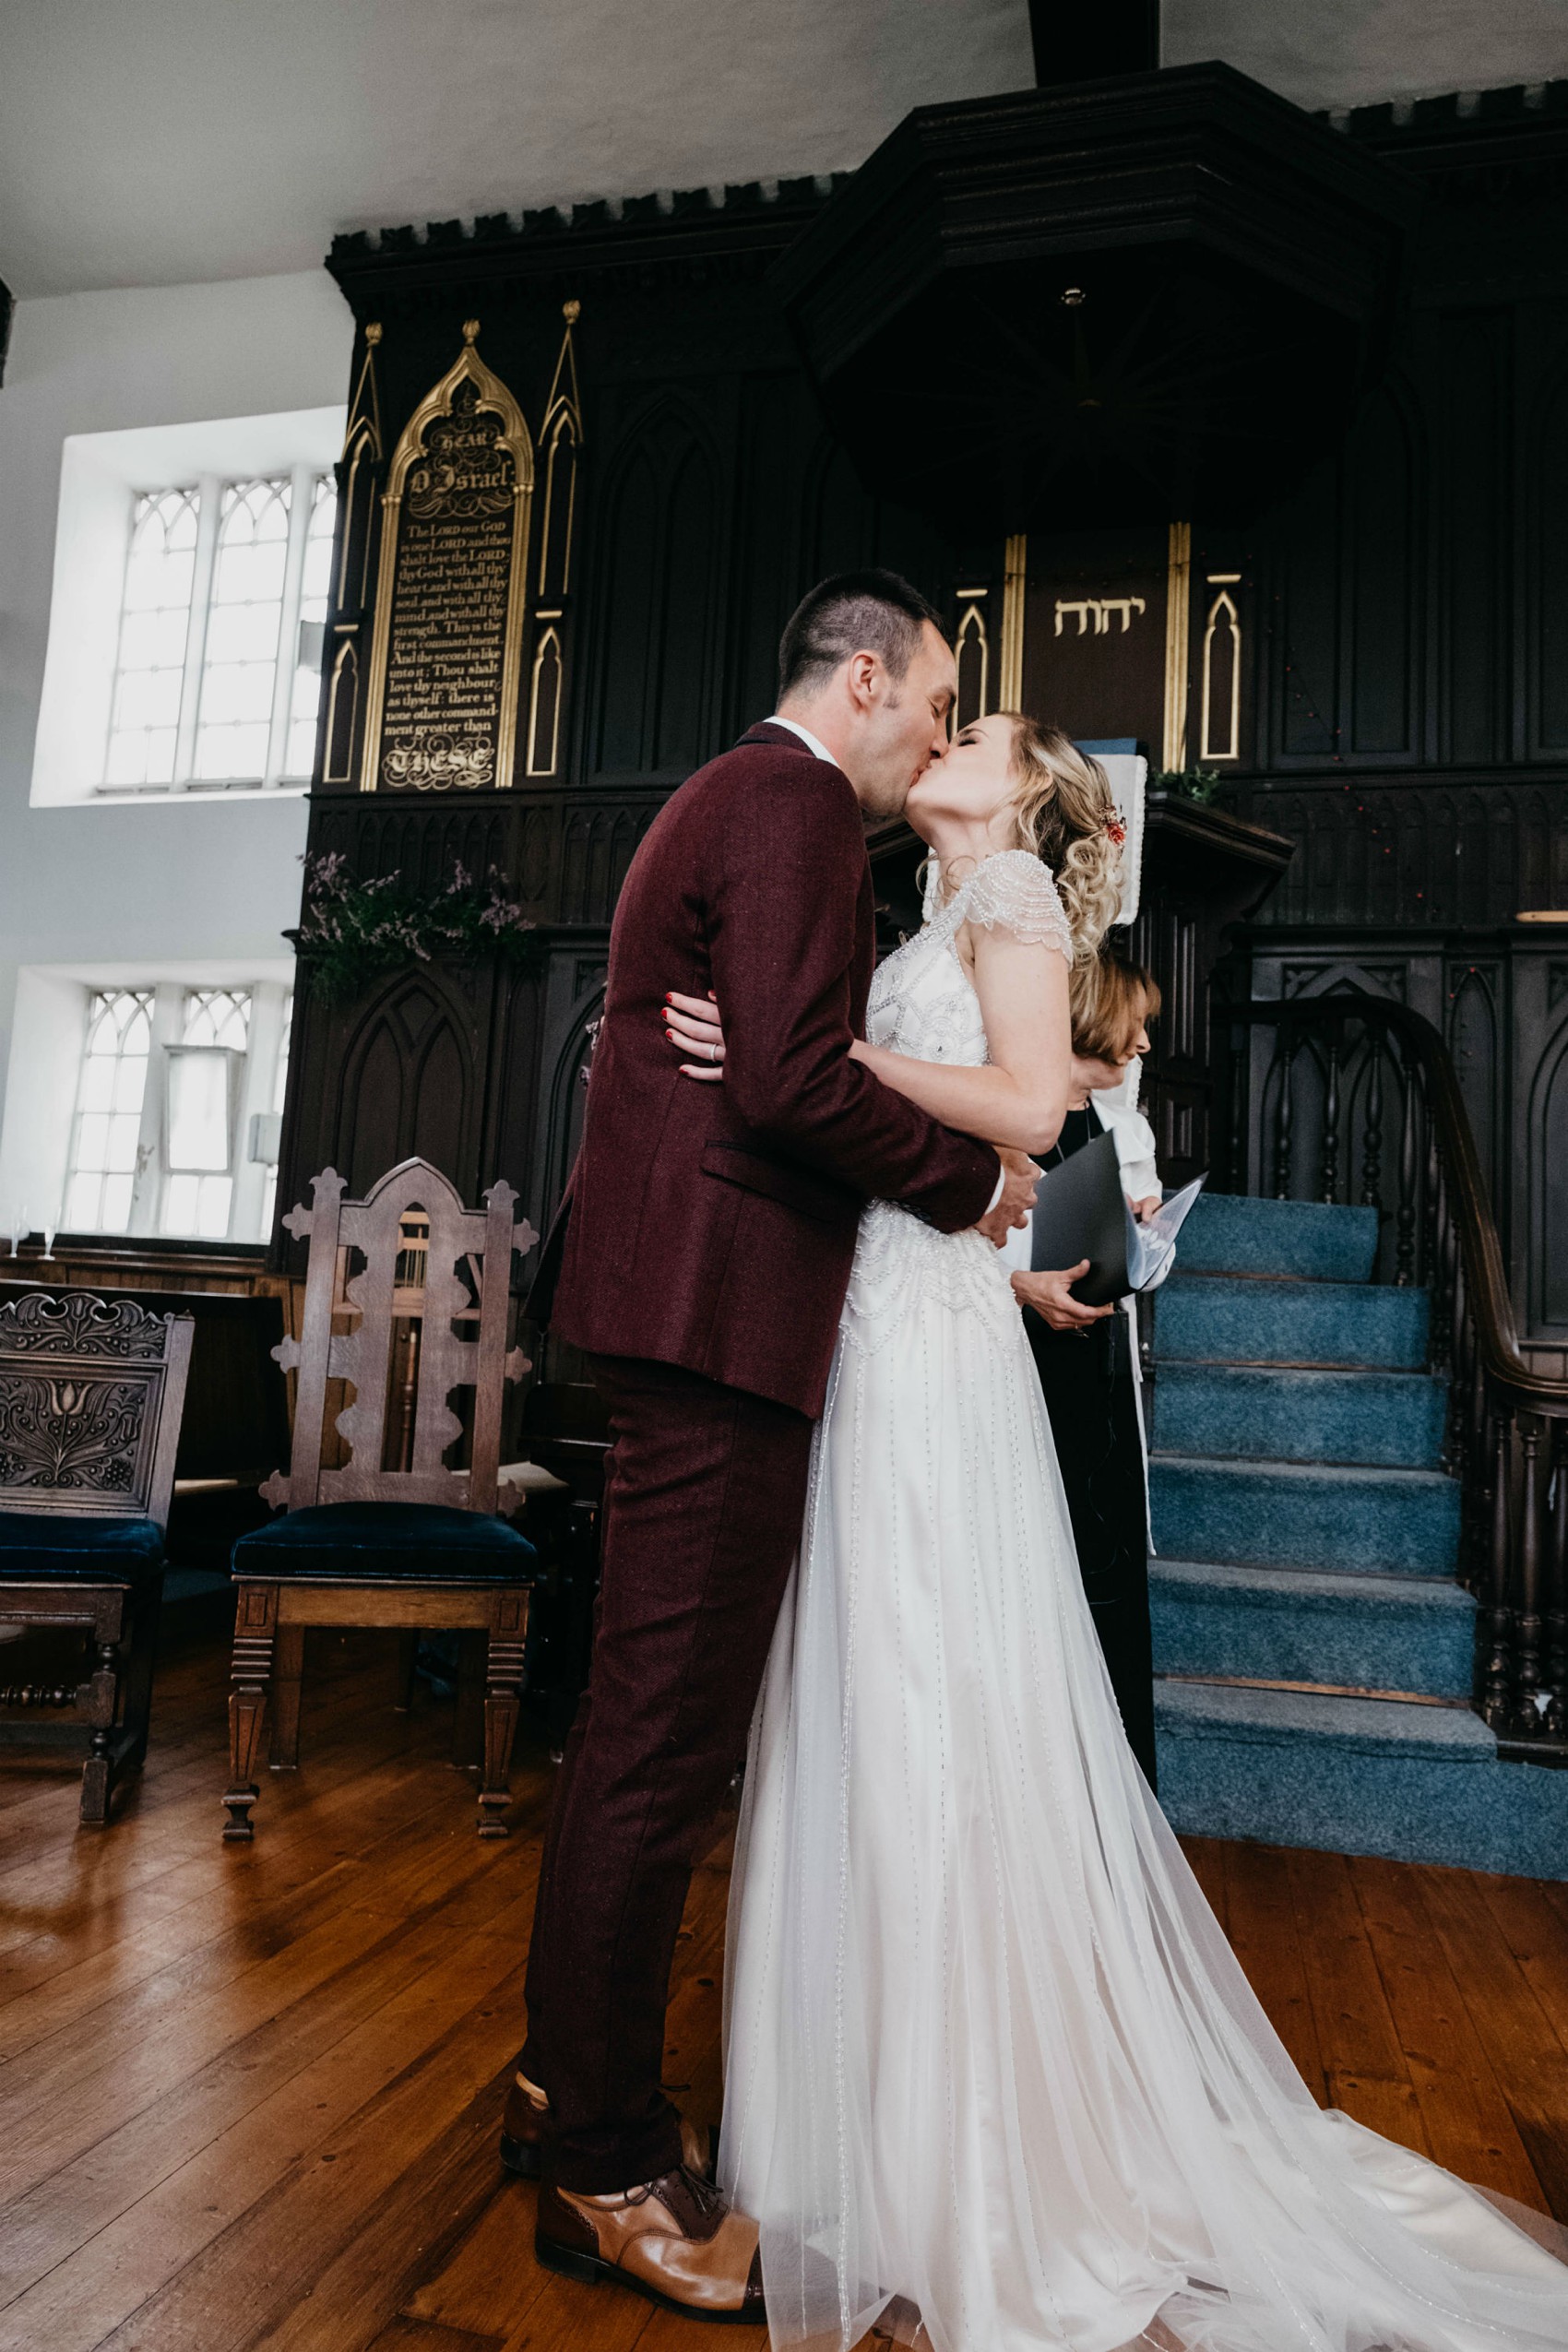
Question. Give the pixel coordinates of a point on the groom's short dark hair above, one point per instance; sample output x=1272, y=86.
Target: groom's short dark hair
x=870, y=612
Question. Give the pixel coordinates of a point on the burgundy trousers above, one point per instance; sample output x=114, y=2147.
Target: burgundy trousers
x=702, y=1515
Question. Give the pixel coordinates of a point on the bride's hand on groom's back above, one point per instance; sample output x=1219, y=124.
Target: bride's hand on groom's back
x=693, y=1026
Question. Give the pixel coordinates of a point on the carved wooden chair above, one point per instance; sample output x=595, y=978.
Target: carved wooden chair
x=91, y=1398
x=394, y=1536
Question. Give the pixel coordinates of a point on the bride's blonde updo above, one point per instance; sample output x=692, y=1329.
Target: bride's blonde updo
x=1067, y=817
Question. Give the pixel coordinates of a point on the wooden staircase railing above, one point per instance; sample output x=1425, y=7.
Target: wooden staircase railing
x=1351, y=1099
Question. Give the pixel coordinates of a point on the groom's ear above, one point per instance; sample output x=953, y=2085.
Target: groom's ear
x=866, y=678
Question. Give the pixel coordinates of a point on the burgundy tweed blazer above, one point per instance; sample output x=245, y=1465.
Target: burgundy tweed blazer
x=713, y=1225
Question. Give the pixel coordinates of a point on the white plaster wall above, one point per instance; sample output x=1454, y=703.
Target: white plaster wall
x=1360, y=52
x=165, y=884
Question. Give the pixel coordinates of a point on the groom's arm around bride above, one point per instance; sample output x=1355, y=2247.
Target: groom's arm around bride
x=714, y=1226
x=707, y=1246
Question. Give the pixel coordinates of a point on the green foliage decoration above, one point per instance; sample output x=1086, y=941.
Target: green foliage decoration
x=1186, y=783
x=352, y=932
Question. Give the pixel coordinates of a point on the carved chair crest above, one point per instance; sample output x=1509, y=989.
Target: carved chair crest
x=90, y=1396
x=419, y=1335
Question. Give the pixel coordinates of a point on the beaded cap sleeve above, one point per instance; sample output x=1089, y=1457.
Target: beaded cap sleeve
x=1014, y=892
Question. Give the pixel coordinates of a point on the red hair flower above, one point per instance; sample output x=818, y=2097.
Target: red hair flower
x=1116, y=829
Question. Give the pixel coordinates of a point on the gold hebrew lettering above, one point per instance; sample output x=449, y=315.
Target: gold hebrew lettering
x=1101, y=607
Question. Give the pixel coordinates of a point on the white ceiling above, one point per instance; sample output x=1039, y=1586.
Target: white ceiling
x=151, y=142
x=1358, y=52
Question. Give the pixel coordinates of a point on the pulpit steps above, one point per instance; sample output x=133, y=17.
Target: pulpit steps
x=1314, y=1647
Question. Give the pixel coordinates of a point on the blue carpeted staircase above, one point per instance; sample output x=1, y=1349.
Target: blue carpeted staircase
x=1307, y=1534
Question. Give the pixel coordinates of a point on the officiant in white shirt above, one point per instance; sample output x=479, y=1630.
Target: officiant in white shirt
x=1087, y=1357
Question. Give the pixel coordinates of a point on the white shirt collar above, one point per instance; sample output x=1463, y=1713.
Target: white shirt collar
x=813, y=745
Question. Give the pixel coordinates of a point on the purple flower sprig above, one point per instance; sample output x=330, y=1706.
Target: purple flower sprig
x=351, y=931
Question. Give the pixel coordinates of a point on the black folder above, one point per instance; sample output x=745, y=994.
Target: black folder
x=1080, y=1212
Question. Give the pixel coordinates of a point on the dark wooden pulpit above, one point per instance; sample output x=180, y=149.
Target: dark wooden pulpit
x=1204, y=870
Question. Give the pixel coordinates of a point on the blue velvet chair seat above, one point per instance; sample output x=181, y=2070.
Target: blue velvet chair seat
x=427, y=1542
x=78, y=1550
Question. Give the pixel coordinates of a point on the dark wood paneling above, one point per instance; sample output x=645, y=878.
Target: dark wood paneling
x=1303, y=629
x=1550, y=617
x=1548, y=1177
x=1473, y=357
x=1462, y=848
x=1382, y=617
x=1403, y=620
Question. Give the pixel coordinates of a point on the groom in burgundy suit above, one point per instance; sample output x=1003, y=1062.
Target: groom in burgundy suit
x=701, y=1258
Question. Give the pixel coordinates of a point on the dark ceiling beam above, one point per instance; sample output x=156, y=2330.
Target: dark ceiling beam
x=1084, y=41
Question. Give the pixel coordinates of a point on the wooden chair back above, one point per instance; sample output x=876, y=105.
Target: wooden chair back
x=235, y=1423
x=91, y=1399
x=420, y=1335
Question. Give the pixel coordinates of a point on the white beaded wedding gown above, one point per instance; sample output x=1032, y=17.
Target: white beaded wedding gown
x=986, y=2046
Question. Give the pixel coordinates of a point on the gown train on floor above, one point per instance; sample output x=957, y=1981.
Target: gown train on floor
x=986, y=2046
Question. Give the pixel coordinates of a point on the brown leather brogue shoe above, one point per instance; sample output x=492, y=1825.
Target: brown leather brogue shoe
x=675, y=2239
x=525, y=2124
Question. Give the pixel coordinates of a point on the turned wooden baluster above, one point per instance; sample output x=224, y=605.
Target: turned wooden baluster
x=1496, y=1692
x=1284, y=1116
x=1528, y=1619
x=1328, y=1191
x=1556, y=1719
x=1405, y=1216
x=1240, y=1047
x=1478, y=1493
x=1432, y=1189
x=1441, y=1268
x=1456, y=1421
x=1372, y=1137
x=408, y=1407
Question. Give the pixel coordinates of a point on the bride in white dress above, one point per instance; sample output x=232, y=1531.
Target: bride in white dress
x=987, y=2050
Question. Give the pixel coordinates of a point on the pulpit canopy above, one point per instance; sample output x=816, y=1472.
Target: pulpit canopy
x=1122, y=301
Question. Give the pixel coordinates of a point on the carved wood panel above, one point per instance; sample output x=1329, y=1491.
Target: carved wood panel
x=1433, y=852
x=90, y=1405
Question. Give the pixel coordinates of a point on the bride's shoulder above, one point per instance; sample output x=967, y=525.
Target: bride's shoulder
x=1014, y=891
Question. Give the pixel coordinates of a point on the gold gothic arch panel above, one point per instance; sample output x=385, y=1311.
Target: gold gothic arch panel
x=451, y=601
x=1104, y=650
x=560, y=443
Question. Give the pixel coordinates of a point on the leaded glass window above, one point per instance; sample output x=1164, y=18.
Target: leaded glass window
x=154, y=630
x=280, y=1088
x=107, y=1117
x=244, y=618
x=315, y=585
x=204, y=1070
x=221, y=634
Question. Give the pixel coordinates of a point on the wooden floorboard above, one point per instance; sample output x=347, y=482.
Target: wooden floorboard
x=1466, y=2121
x=249, y=2096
